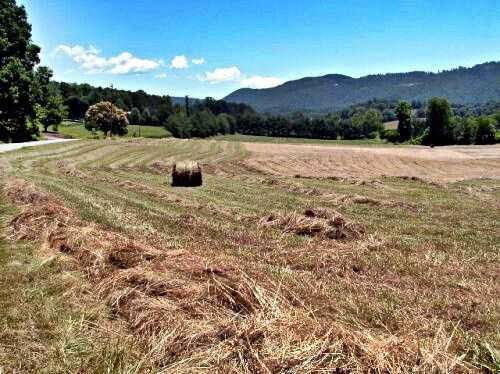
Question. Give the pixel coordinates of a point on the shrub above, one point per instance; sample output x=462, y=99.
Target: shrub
x=485, y=131
x=391, y=135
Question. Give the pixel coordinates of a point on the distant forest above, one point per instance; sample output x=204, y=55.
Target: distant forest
x=78, y=98
x=154, y=110
x=334, y=92
x=186, y=118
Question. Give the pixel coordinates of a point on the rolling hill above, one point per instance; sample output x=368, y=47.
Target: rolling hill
x=478, y=84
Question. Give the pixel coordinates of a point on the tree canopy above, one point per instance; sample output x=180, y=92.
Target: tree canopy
x=18, y=57
x=106, y=117
x=403, y=113
x=26, y=94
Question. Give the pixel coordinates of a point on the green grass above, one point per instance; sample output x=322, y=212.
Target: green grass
x=431, y=281
x=42, y=328
x=278, y=140
x=78, y=131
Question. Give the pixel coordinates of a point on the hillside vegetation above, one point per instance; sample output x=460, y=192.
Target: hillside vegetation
x=478, y=84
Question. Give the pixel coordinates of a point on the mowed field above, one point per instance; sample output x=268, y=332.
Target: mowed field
x=291, y=258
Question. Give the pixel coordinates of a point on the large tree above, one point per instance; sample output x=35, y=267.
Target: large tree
x=439, y=122
x=106, y=117
x=403, y=112
x=18, y=58
x=179, y=125
x=485, y=131
x=165, y=109
x=49, y=107
x=135, y=116
x=496, y=117
x=77, y=107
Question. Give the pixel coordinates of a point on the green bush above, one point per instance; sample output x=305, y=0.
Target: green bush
x=485, y=131
x=391, y=135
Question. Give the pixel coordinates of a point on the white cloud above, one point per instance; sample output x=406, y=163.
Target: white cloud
x=161, y=76
x=198, y=61
x=179, y=62
x=89, y=60
x=256, y=81
x=221, y=75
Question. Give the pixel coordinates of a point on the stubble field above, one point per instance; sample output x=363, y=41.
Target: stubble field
x=291, y=258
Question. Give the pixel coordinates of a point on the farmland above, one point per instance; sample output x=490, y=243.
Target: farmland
x=77, y=130
x=290, y=258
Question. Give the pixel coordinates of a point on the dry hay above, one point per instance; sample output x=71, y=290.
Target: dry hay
x=443, y=164
x=186, y=174
x=315, y=222
x=414, y=178
x=329, y=195
x=188, y=312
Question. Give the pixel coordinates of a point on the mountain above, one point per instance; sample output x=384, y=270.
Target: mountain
x=478, y=84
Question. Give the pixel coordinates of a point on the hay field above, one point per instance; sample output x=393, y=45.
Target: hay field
x=442, y=164
x=290, y=258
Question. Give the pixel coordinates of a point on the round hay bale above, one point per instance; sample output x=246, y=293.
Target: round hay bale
x=186, y=174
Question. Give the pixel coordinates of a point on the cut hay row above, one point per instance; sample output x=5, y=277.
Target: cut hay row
x=445, y=164
x=413, y=279
x=315, y=222
x=189, y=312
x=330, y=195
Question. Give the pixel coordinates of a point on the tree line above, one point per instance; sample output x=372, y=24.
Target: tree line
x=442, y=126
x=439, y=125
x=27, y=98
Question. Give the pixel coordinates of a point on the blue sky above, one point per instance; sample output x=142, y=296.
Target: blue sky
x=227, y=44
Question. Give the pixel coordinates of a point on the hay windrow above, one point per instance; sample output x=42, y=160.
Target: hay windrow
x=318, y=222
x=187, y=311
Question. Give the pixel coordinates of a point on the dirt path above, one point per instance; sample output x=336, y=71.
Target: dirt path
x=13, y=146
x=441, y=163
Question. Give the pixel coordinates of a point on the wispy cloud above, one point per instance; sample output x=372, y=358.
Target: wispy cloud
x=198, y=61
x=220, y=75
x=233, y=73
x=257, y=81
x=161, y=76
x=90, y=61
x=179, y=62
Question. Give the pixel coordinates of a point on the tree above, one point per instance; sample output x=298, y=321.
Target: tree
x=403, y=113
x=76, y=107
x=186, y=105
x=165, y=109
x=135, y=116
x=439, y=122
x=496, y=116
x=485, y=131
x=18, y=57
x=106, y=117
x=179, y=125
x=146, y=116
x=204, y=124
x=52, y=112
x=49, y=107
x=364, y=125
x=465, y=131
x=224, y=122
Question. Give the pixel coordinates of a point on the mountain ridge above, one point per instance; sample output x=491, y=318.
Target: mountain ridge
x=330, y=92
